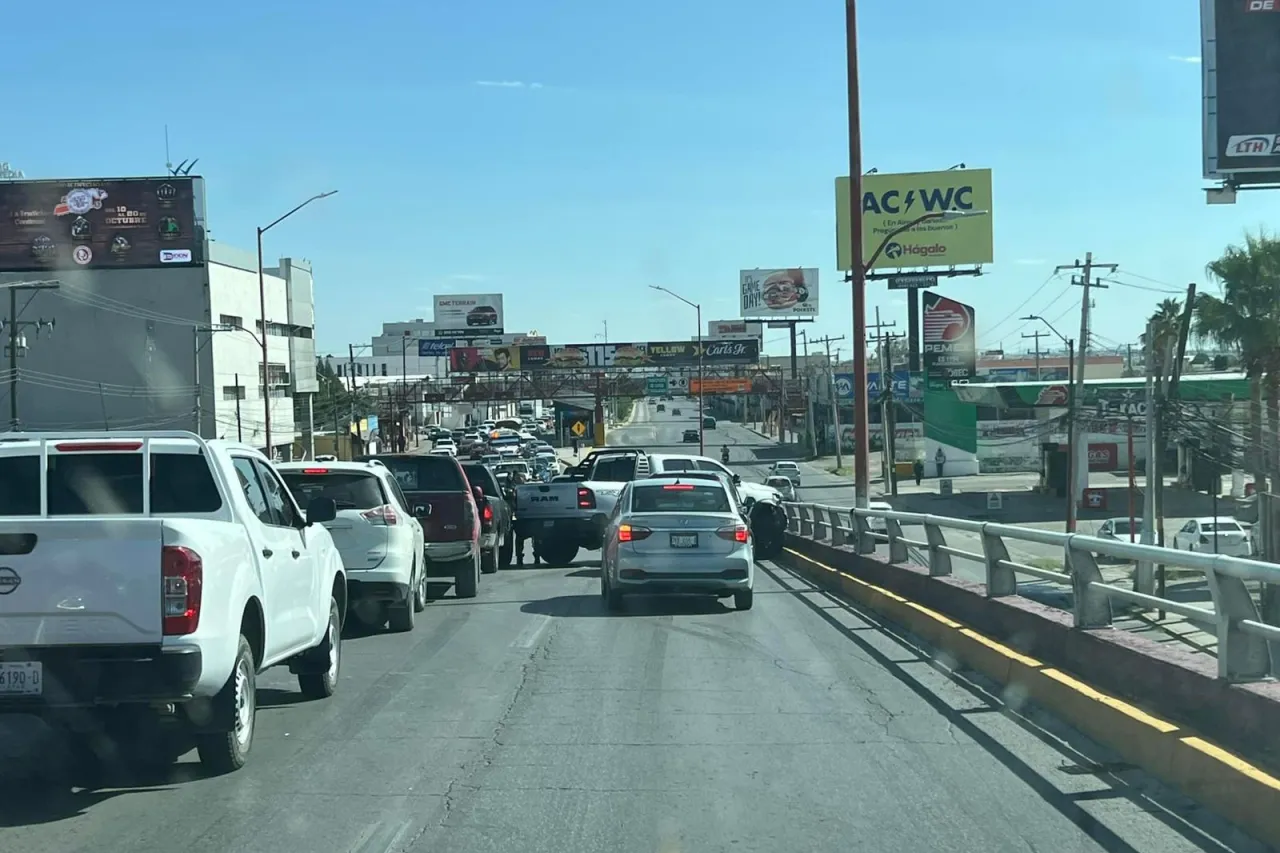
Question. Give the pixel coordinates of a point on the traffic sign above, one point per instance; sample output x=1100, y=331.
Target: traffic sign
x=655, y=385
x=578, y=428
x=680, y=383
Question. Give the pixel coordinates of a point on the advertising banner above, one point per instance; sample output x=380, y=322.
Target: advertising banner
x=434, y=347
x=734, y=329
x=484, y=359
x=1240, y=64
x=893, y=201
x=950, y=340
x=101, y=223
x=462, y=315
x=778, y=293
x=902, y=389
x=720, y=386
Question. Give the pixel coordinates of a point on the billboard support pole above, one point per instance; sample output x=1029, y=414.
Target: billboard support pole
x=858, y=272
x=913, y=331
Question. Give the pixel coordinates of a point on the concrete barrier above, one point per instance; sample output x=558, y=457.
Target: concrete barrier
x=1160, y=709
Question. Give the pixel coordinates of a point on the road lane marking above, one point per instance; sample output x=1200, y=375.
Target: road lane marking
x=532, y=632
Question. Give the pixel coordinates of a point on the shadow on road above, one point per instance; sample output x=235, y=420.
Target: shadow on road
x=591, y=607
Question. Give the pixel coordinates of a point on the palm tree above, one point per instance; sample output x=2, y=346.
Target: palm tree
x=1166, y=325
x=1246, y=321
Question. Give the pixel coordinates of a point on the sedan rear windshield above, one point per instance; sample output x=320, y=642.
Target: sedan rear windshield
x=682, y=497
x=425, y=473
x=347, y=489
x=108, y=484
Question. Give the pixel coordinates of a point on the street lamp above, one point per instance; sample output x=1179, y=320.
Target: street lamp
x=858, y=277
x=1071, y=419
x=262, y=308
x=702, y=444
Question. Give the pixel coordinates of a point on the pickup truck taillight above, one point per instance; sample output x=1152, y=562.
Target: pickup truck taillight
x=383, y=516
x=182, y=573
x=586, y=499
x=486, y=516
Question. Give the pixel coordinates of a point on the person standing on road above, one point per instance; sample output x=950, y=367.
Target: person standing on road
x=917, y=468
x=940, y=459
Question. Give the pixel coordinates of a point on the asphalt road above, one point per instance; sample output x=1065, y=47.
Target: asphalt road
x=529, y=720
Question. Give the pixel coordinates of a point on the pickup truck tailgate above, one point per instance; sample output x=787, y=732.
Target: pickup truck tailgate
x=85, y=581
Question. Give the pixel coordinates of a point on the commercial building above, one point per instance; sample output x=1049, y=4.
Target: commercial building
x=167, y=348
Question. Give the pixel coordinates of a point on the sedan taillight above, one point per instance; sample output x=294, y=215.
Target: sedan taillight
x=737, y=533
x=627, y=533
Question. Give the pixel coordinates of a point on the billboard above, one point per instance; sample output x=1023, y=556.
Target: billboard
x=463, y=315
x=101, y=223
x=892, y=201
x=950, y=340
x=434, y=347
x=1240, y=67
x=778, y=293
x=579, y=356
x=484, y=359
x=734, y=329
x=720, y=386
x=902, y=386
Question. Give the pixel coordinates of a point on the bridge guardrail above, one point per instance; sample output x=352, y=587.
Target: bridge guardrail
x=1248, y=632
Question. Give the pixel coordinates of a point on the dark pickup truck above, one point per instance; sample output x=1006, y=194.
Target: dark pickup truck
x=496, y=533
x=448, y=507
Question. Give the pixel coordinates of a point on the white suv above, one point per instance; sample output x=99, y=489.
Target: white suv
x=380, y=541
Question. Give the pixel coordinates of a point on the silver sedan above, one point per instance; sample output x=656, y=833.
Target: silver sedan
x=673, y=536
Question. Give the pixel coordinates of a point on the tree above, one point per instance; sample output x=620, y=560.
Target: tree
x=1245, y=320
x=1166, y=325
x=335, y=403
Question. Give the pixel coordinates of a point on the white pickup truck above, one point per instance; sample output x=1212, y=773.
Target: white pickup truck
x=146, y=578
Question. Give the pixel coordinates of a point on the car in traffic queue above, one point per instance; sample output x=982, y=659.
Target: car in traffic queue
x=669, y=535
x=159, y=570
x=380, y=541
x=708, y=422
x=691, y=436
x=448, y=508
x=675, y=412
x=783, y=485
x=790, y=470
x=496, y=532
x=662, y=407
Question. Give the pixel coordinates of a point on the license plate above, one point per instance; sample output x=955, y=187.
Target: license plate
x=684, y=540
x=21, y=678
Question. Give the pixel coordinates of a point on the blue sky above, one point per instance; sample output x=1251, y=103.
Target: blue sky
x=671, y=142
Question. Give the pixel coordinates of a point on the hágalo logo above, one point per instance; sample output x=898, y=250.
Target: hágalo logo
x=921, y=201
x=946, y=321
x=893, y=251
x=1052, y=395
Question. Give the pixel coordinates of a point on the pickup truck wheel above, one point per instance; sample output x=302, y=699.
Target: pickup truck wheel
x=506, y=552
x=489, y=561
x=235, y=711
x=322, y=685
x=558, y=554
x=466, y=583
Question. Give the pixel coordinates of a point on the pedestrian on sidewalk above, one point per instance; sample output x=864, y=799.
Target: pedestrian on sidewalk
x=940, y=459
x=574, y=443
x=917, y=468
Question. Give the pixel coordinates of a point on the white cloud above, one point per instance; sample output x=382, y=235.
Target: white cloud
x=508, y=84
x=1191, y=60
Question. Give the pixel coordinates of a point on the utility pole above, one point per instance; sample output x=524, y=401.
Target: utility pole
x=808, y=397
x=1037, y=335
x=831, y=389
x=1080, y=448
x=874, y=333
x=15, y=327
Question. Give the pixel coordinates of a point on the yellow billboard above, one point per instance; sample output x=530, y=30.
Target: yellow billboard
x=892, y=202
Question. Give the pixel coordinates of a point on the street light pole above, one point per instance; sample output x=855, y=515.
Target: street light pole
x=702, y=443
x=262, y=309
x=858, y=271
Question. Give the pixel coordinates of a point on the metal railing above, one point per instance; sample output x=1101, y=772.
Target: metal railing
x=1248, y=632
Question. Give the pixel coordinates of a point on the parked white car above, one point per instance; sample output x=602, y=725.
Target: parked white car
x=380, y=541
x=790, y=470
x=1214, y=536
x=151, y=577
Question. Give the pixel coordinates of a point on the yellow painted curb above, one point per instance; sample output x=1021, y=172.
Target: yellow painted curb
x=1222, y=781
